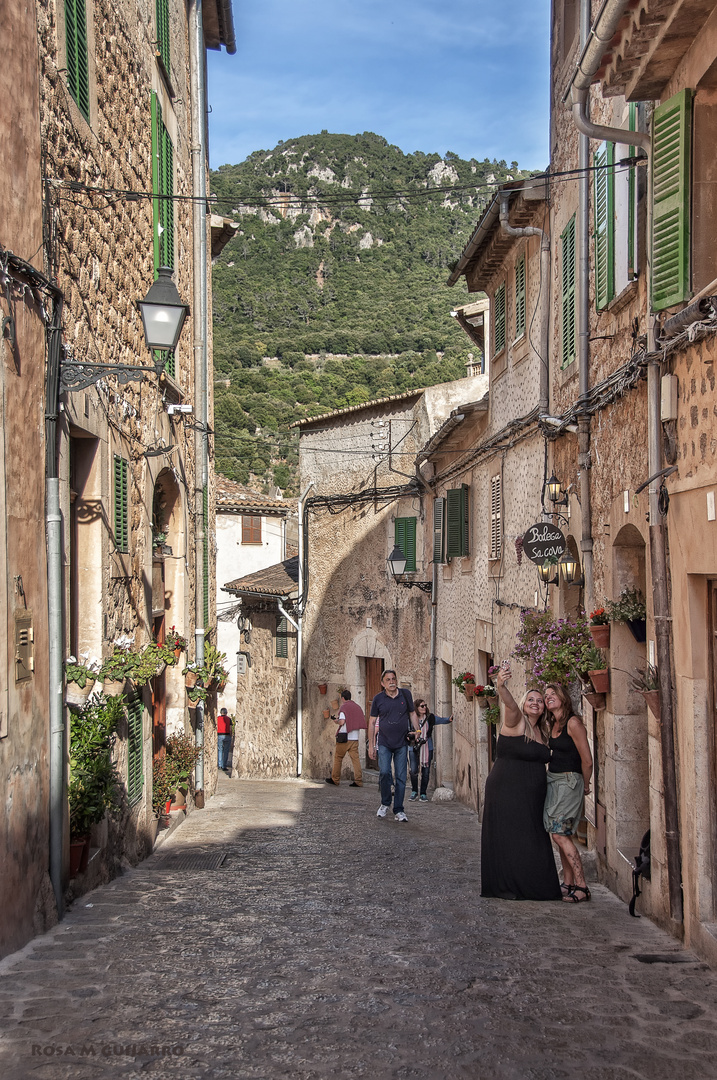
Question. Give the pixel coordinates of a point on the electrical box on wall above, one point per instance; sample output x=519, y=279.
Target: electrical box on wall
x=668, y=398
x=24, y=646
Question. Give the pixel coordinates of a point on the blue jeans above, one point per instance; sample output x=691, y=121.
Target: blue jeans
x=223, y=744
x=400, y=759
x=414, y=766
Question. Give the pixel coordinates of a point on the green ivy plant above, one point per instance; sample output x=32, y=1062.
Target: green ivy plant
x=94, y=785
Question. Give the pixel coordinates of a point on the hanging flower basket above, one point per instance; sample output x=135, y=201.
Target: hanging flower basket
x=600, y=635
x=114, y=687
x=638, y=629
x=469, y=690
x=77, y=695
x=327, y=714
x=335, y=704
x=596, y=700
x=652, y=697
x=190, y=679
x=323, y=687
x=600, y=680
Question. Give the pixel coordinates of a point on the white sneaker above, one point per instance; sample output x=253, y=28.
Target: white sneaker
x=382, y=811
x=400, y=816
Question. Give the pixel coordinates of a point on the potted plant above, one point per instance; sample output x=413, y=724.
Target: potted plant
x=466, y=683
x=117, y=669
x=491, y=715
x=183, y=752
x=197, y=692
x=176, y=642
x=485, y=694
x=80, y=679
x=630, y=608
x=592, y=664
x=214, y=673
x=600, y=627
x=192, y=674
x=165, y=779
x=646, y=682
x=327, y=713
x=323, y=687
x=553, y=650
x=93, y=786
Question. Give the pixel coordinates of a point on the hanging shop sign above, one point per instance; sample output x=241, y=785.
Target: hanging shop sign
x=543, y=541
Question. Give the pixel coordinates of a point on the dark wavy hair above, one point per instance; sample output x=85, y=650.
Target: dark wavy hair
x=567, y=710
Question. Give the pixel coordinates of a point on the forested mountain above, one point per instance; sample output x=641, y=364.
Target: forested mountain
x=333, y=290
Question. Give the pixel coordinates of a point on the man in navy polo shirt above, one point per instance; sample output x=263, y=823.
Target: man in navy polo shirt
x=392, y=709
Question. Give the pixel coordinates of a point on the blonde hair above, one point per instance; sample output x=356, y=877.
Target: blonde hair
x=542, y=722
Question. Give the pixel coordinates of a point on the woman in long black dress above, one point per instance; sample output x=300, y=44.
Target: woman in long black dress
x=516, y=861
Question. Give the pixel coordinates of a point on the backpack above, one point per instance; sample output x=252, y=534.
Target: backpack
x=642, y=866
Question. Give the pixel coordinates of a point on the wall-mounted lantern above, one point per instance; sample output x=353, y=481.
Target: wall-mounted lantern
x=397, y=565
x=570, y=569
x=557, y=496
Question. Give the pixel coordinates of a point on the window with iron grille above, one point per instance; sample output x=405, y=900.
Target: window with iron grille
x=457, y=521
x=162, y=189
x=499, y=320
x=135, y=775
x=78, y=68
x=439, y=531
x=282, y=636
x=496, y=517
x=568, y=293
x=520, y=298
x=405, y=539
x=251, y=529
x=121, y=486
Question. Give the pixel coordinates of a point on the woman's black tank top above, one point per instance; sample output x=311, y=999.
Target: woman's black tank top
x=565, y=756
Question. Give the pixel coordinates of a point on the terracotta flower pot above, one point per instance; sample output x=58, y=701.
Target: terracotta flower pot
x=327, y=714
x=323, y=687
x=335, y=704
x=78, y=695
x=600, y=680
x=79, y=855
x=469, y=690
x=600, y=635
x=190, y=680
x=113, y=687
x=596, y=700
x=652, y=697
x=177, y=651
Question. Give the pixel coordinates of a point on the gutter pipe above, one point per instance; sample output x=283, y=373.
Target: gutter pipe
x=533, y=230
x=200, y=326
x=300, y=634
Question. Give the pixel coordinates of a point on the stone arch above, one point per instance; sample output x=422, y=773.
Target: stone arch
x=366, y=644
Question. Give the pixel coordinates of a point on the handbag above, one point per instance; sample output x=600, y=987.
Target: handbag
x=342, y=736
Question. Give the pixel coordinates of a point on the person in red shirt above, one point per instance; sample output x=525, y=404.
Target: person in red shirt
x=350, y=721
x=224, y=738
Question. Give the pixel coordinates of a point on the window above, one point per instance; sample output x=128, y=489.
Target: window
x=121, y=503
x=439, y=532
x=496, y=517
x=135, y=776
x=458, y=521
x=162, y=10
x=282, y=636
x=671, y=143
x=162, y=188
x=78, y=70
x=520, y=298
x=205, y=557
x=405, y=538
x=603, y=161
x=250, y=529
x=568, y=295
x=499, y=320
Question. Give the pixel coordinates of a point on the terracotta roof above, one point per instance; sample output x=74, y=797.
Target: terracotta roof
x=279, y=580
x=234, y=496
x=357, y=408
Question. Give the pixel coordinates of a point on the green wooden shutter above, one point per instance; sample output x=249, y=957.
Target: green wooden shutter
x=496, y=517
x=568, y=294
x=205, y=560
x=162, y=9
x=282, y=636
x=162, y=189
x=78, y=69
x=135, y=774
x=499, y=320
x=520, y=298
x=603, y=160
x=121, y=503
x=632, y=204
x=671, y=150
x=458, y=521
x=439, y=509
x=405, y=538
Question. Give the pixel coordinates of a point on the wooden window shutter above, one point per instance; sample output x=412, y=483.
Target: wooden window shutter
x=499, y=320
x=439, y=514
x=405, y=538
x=282, y=636
x=251, y=529
x=520, y=298
x=458, y=521
x=162, y=10
x=496, y=514
x=78, y=69
x=205, y=560
x=632, y=269
x=671, y=143
x=568, y=293
x=465, y=519
x=135, y=775
x=603, y=160
x=162, y=189
x=121, y=507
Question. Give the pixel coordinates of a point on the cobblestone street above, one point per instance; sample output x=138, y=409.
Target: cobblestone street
x=329, y=943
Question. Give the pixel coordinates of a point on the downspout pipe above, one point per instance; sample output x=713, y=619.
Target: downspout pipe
x=300, y=634
x=533, y=230
x=200, y=348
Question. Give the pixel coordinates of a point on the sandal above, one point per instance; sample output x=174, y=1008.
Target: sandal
x=572, y=896
x=566, y=889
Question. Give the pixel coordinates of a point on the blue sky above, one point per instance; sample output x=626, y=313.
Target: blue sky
x=469, y=76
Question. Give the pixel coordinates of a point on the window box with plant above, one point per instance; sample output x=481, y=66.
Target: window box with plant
x=466, y=683
x=80, y=678
x=600, y=627
x=630, y=608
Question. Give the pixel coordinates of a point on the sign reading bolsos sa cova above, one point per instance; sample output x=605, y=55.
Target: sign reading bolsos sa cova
x=543, y=541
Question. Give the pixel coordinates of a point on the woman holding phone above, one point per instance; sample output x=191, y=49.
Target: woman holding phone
x=516, y=855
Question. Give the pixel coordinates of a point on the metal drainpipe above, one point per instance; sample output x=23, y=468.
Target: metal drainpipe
x=533, y=230
x=199, y=290
x=300, y=639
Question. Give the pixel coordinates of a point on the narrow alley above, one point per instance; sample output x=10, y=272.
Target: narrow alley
x=285, y=931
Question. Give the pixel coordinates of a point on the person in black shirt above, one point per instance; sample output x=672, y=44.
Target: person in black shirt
x=392, y=709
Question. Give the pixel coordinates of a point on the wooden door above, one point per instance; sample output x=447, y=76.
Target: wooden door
x=159, y=698
x=712, y=697
x=374, y=671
